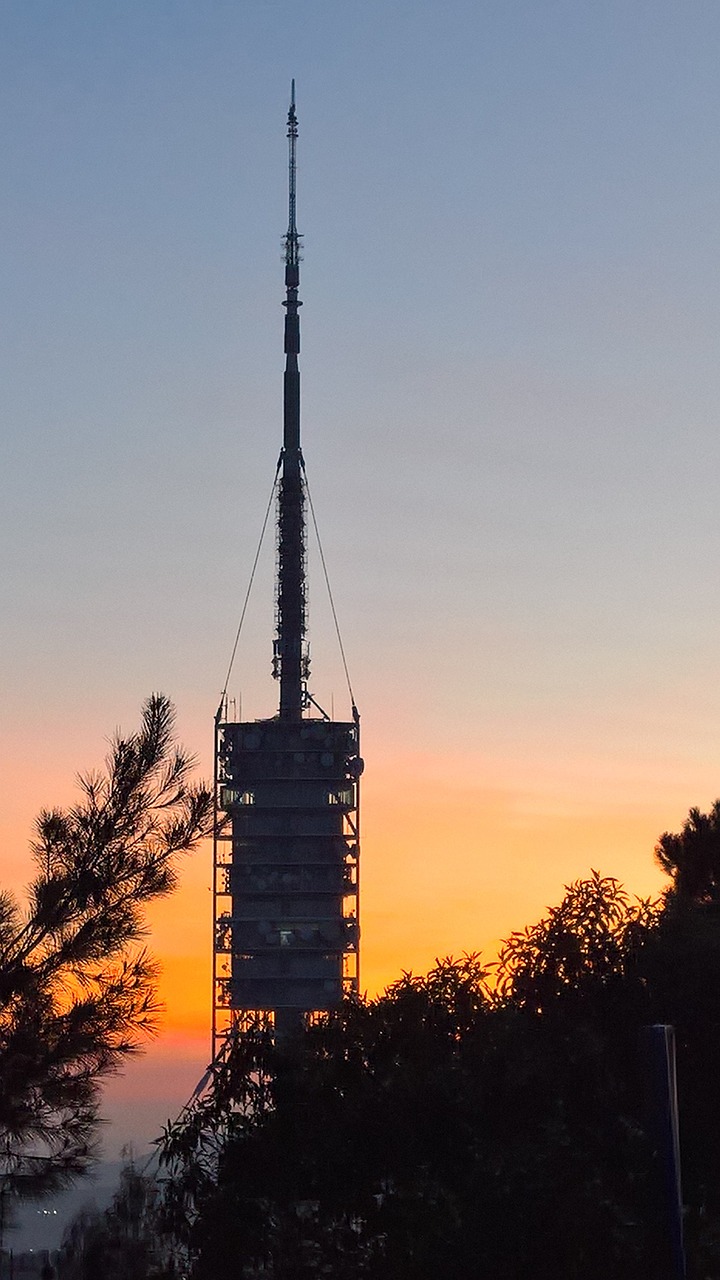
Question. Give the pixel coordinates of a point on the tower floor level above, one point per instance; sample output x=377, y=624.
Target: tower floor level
x=286, y=869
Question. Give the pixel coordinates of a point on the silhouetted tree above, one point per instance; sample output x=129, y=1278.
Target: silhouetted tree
x=120, y=1242
x=77, y=993
x=589, y=943
x=340, y=1150
x=440, y=1129
x=692, y=858
x=457, y=1127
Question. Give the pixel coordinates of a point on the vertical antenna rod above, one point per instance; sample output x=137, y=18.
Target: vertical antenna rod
x=290, y=661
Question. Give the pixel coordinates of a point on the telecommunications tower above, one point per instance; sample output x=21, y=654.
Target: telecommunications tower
x=287, y=842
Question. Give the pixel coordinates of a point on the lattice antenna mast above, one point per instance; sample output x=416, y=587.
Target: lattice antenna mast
x=290, y=664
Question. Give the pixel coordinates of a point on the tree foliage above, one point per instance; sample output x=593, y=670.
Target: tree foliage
x=484, y=1124
x=444, y=1128
x=77, y=988
x=692, y=857
x=589, y=941
x=320, y=1136
x=120, y=1242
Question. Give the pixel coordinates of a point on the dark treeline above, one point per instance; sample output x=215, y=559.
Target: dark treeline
x=480, y=1122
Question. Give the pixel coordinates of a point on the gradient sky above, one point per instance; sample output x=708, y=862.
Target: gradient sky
x=511, y=387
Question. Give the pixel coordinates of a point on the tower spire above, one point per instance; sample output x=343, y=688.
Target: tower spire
x=292, y=252
x=292, y=247
x=290, y=665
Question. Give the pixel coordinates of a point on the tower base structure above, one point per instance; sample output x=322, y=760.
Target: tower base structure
x=286, y=870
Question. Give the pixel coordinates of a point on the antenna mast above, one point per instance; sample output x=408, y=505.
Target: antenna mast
x=291, y=661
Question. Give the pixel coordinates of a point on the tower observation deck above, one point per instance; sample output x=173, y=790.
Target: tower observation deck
x=287, y=843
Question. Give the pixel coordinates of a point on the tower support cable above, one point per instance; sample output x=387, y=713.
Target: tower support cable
x=329, y=592
x=246, y=601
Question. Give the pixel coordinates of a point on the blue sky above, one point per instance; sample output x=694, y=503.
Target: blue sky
x=510, y=405
x=510, y=310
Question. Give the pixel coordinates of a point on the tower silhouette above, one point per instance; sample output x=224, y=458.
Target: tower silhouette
x=287, y=842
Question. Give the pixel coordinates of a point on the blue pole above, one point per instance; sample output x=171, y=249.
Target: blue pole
x=658, y=1043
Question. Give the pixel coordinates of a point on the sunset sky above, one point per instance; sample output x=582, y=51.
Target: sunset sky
x=511, y=391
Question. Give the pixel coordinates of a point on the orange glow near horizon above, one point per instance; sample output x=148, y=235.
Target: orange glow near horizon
x=460, y=848
x=458, y=852
x=449, y=865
